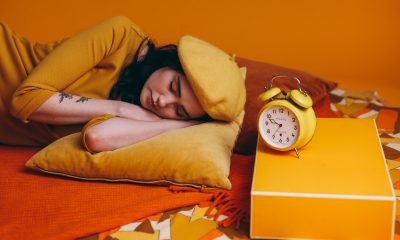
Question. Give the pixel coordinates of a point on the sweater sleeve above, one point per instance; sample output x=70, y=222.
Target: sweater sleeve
x=70, y=60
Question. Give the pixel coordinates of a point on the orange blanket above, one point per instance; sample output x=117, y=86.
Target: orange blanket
x=40, y=206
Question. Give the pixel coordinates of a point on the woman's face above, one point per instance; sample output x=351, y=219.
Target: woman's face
x=168, y=94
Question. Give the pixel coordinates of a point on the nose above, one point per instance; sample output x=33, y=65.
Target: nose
x=165, y=100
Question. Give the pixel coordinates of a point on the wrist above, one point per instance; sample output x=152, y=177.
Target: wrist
x=121, y=109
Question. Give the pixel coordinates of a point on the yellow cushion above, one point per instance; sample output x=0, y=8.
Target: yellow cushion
x=214, y=76
x=197, y=155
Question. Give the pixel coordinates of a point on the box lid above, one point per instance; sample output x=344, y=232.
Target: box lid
x=344, y=157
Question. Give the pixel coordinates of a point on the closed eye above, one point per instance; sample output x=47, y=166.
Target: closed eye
x=175, y=87
x=171, y=86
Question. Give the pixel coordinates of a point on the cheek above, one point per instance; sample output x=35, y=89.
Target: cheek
x=168, y=113
x=143, y=97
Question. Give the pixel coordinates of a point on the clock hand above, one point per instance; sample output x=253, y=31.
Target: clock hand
x=280, y=125
x=273, y=121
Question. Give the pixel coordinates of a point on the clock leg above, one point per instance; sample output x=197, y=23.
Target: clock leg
x=297, y=153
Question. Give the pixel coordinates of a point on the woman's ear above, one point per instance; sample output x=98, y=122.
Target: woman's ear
x=143, y=53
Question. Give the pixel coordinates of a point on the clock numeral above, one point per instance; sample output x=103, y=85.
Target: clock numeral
x=295, y=127
x=268, y=131
x=273, y=136
x=287, y=139
x=268, y=115
x=288, y=113
x=293, y=120
x=266, y=123
x=280, y=140
x=281, y=110
x=292, y=134
x=274, y=111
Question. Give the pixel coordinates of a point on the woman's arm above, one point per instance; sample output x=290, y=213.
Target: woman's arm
x=119, y=132
x=75, y=56
x=63, y=108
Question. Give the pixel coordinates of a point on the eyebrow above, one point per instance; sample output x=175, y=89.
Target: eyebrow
x=179, y=94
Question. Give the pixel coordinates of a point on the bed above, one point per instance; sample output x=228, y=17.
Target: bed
x=39, y=206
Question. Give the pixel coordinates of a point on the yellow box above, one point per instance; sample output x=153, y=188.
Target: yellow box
x=340, y=188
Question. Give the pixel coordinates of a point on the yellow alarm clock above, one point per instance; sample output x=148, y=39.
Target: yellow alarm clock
x=287, y=122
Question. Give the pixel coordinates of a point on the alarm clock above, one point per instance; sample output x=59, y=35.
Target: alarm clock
x=287, y=121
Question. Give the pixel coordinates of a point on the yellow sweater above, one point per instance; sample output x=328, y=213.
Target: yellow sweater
x=86, y=64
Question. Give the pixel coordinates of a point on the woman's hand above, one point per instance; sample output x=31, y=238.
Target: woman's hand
x=119, y=132
x=180, y=123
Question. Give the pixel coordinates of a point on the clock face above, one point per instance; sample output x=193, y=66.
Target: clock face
x=279, y=126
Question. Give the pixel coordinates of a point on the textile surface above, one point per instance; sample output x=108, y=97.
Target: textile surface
x=46, y=207
x=192, y=222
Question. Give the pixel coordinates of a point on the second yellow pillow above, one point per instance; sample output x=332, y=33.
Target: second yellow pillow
x=196, y=156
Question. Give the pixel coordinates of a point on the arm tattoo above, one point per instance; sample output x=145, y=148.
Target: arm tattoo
x=64, y=95
x=83, y=99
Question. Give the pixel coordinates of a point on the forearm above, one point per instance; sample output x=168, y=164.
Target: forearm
x=64, y=108
x=118, y=132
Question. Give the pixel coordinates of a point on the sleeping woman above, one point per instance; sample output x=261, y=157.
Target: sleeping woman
x=51, y=90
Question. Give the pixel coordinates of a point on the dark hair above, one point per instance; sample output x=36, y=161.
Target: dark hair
x=133, y=77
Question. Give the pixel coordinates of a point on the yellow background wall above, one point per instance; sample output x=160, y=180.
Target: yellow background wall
x=353, y=42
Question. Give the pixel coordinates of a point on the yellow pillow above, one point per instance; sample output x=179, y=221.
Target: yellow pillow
x=197, y=156
x=214, y=77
